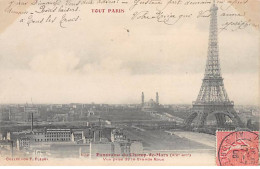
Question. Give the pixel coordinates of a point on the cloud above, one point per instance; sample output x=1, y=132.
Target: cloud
x=56, y=61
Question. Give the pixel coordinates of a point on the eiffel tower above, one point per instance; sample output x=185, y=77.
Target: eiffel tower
x=213, y=98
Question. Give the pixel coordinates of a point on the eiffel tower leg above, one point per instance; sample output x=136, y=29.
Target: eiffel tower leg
x=221, y=120
x=189, y=120
x=236, y=119
x=202, y=119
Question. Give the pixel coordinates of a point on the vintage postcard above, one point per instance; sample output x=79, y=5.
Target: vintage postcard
x=129, y=82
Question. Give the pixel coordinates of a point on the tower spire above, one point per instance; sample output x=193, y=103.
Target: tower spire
x=212, y=67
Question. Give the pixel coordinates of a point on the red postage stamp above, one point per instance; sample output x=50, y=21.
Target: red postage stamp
x=237, y=148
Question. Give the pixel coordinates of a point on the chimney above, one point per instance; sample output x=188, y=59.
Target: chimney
x=157, y=98
x=142, y=98
x=32, y=123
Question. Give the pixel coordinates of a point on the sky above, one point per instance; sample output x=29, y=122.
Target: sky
x=98, y=60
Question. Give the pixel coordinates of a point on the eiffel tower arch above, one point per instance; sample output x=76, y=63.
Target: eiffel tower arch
x=213, y=98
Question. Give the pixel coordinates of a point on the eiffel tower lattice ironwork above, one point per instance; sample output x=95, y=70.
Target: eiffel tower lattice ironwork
x=213, y=98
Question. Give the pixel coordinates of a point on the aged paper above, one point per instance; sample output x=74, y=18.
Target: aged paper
x=129, y=82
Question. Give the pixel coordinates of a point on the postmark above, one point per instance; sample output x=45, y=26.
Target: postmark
x=237, y=148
